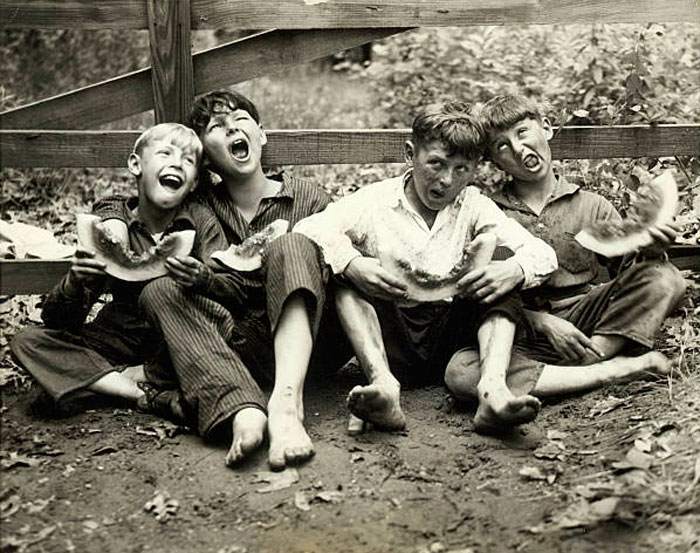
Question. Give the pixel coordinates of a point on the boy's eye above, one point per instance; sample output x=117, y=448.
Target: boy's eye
x=164, y=152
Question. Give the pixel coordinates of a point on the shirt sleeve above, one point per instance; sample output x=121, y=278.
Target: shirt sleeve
x=68, y=310
x=536, y=258
x=111, y=207
x=224, y=287
x=331, y=228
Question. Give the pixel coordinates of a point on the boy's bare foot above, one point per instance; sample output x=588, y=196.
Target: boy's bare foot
x=248, y=431
x=289, y=442
x=500, y=410
x=378, y=404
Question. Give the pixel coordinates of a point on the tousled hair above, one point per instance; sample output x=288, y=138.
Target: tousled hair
x=179, y=134
x=502, y=112
x=220, y=101
x=453, y=124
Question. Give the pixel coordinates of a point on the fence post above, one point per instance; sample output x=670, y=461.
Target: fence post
x=169, y=31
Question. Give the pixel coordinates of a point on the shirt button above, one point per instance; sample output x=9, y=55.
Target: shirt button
x=540, y=225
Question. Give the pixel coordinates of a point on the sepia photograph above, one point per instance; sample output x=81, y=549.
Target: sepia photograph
x=338, y=276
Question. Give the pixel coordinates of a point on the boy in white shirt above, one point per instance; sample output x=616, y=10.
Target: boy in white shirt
x=429, y=216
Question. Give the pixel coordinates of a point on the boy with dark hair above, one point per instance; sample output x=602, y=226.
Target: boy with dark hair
x=575, y=322
x=223, y=351
x=428, y=216
x=68, y=355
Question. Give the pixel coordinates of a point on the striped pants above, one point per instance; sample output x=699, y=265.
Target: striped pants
x=220, y=358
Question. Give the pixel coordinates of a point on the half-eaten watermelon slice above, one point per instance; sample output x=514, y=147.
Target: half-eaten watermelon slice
x=247, y=256
x=426, y=286
x=656, y=204
x=124, y=264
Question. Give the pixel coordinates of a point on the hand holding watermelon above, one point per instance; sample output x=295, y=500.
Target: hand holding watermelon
x=648, y=228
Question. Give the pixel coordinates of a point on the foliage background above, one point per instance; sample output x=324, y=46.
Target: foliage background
x=592, y=74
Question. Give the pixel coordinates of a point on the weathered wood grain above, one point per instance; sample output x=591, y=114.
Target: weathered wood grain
x=224, y=65
x=33, y=148
x=30, y=276
x=171, y=59
x=328, y=14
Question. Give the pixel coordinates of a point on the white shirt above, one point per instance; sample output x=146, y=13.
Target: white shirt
x=378, y=220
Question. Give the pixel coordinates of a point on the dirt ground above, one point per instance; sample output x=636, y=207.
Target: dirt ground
x=615, y=470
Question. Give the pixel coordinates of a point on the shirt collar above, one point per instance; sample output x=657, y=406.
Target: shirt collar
x=507, y=198
x=183, y=219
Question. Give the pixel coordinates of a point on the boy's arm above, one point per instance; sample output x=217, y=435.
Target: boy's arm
x=204, y=275
x=534, y=256
x=329, y=230
x=111, y=211
x=69, y=303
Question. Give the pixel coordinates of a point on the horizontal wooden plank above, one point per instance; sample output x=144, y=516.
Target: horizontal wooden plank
x=224, y=65
x=30, y=276
x=34, y=276
x=329, y=14
x=32, y=148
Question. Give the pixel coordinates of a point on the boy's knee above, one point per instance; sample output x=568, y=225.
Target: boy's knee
x=462, y=374
x=663, y=281
x=292, y=246
x=157, y=292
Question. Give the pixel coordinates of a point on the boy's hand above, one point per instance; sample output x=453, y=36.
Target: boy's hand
x=186, y=270
x=565, y=338
x=84, y=266
x=372, y=279
x=489, y=283
x=664, y=236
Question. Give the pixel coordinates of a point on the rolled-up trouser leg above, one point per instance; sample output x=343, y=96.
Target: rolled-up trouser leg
x=60, y=361
x=209, y=350
x=293, y=264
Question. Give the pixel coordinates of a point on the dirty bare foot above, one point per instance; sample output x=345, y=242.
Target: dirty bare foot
x=248, y=431
x=500, y=410
x=379, y=404
x=289, y=442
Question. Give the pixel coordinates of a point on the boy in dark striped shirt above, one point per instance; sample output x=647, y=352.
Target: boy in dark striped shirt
x=223, y=352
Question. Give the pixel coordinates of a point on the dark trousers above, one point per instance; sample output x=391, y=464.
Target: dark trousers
x=222, y=359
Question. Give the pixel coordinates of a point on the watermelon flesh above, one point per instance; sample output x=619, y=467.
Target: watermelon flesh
x=656, y=204
x=247, y=256
x=124, y=264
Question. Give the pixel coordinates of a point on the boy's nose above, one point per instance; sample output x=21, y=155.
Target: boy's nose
x=447, y=178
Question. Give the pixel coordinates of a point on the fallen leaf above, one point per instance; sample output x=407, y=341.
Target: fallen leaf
x=162, y=506
x=550, y=451
x=606, y=405
x=104, y=450
x=556, y=435
x=17, y=460
x=276, y=480
x=330, y=496
x=39, y=505
x=10, y=506
x=532, y=473
x=301, y=502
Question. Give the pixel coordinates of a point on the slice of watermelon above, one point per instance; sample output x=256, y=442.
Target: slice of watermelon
x=247, y=256
x=425, y=286
x=124, y=264
x=656, y=204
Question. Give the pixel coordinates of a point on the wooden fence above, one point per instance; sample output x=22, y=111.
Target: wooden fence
x=55, y=132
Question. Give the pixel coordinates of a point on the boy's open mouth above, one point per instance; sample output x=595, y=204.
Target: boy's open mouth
x=531, y=161
x=240, y=149
x=172, y=182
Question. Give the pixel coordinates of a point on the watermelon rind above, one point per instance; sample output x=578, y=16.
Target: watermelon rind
x=141, y=268
x=247, y=256
x=665, y=189
x=422, y=286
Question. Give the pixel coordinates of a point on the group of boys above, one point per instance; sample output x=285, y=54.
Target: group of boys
x=201, y=344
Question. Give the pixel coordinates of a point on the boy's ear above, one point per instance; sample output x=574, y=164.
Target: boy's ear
x=134, y=164
x=547, y=126
x=409, y=152
x=263, y=136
